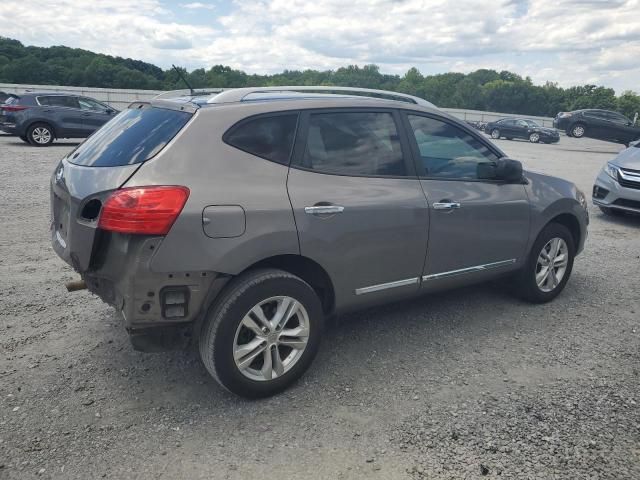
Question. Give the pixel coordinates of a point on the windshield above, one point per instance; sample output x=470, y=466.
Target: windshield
x=133, y=136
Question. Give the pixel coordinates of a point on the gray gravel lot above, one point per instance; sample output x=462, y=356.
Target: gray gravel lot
x=466, y=384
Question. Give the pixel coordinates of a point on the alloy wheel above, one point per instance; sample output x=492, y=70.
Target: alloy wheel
x=41, y=135
x=578, y=131
x=551, y=265
x=495, y=134
x=534, y=137
x=271, y=338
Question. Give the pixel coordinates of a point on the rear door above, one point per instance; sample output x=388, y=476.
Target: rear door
x=94, y=114
x=64, y=113
x=508, y=128
x=477, y=227
x=358, y=204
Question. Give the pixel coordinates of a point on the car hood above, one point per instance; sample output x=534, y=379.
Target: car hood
x=628, y=158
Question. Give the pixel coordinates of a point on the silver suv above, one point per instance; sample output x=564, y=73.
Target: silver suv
x=242, y=220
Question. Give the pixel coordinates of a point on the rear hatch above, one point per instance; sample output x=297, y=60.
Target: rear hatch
x=103, y=163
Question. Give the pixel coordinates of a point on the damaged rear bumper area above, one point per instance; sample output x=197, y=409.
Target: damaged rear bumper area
x=160, y=310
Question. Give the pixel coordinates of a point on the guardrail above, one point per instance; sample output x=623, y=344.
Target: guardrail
x=120, y=98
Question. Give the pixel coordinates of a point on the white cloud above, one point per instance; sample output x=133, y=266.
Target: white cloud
x=198, y=6
x=566, y=41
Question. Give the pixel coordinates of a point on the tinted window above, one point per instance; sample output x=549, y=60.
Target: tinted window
x=267, y=137
x=354, y=144
x=448, y=151
x=132, y=136
x=89, y=104
x=59, y=101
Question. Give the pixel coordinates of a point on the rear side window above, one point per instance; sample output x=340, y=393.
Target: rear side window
x=269, y=137
x=354, y=143
x=132, y=136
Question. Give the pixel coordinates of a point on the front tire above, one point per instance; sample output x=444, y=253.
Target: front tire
x=40, y=135
x=578, y=130
x=548, y=266
x=534, y=137
x=495, y=134
x=262, y=333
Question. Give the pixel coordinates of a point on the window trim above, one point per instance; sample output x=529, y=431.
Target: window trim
x=281, y=113
x=58, y=106
x=106, y=108
x=415, y=150
x=303, y=131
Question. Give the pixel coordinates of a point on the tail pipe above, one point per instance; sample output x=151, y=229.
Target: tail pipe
x=75, y=285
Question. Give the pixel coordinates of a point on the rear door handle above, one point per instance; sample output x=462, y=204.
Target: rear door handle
x=324, y=209
x=446, y=205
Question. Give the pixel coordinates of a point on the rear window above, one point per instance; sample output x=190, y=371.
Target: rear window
x=132, y=136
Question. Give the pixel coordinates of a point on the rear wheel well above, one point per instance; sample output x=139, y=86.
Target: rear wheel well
x=571, y=222
x=40, y=122
x=309, y=271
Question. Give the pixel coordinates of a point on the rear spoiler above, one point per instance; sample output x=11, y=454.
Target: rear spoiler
x=184, y=106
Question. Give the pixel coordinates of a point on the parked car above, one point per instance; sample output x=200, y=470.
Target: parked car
x=600, y=124
x=40, y=118
x=510, y=128
x=243, y=224
x=617, y=187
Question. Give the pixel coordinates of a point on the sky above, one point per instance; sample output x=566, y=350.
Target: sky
x=572, y=42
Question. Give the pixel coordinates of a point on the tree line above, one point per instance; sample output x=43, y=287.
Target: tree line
x=483, y=89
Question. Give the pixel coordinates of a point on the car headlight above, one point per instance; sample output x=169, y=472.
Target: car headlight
x=611, y=170
x=581, y=198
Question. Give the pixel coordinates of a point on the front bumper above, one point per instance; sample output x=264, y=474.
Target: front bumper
x=608, y=193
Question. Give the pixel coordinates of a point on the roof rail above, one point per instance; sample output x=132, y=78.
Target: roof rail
x=185, y=92
x=239, y=94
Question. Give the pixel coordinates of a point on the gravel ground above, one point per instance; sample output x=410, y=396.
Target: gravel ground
x=466, y=384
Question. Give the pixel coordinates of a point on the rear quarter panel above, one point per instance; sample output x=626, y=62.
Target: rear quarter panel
x=218, y=174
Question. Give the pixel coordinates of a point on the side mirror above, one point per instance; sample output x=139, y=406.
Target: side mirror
x=509, y=170
x=505, y=169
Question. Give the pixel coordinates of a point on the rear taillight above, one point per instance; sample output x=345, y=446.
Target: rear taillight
x=143, y=210
x=13, y=108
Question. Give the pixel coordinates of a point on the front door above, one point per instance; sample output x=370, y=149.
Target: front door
x=94, y=115
x=477, y=227
x=358, y=204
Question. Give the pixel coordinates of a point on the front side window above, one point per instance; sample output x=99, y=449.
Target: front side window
x=89, y=104
x=447, y=151
x=354, y=143
x=268, y=137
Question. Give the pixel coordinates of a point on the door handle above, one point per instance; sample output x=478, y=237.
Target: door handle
x=446, y=205
x=323, y=209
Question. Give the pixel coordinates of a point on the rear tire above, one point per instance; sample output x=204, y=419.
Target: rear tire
x=545, y=275
x=40, y=135
x=234, y=335
x=495, y=134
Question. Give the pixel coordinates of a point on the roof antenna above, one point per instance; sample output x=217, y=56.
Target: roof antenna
x=183, y=79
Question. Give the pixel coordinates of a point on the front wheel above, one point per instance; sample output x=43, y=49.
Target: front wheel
x=534, y=137
x=495, y=134
x=548, y=266
x=262, y=334
x=578, y=130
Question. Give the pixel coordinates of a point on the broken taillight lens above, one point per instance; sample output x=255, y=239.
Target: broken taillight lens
x=143, y=210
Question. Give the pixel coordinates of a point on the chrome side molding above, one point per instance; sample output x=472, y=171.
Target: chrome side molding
x=462, y=271
x=385, y=286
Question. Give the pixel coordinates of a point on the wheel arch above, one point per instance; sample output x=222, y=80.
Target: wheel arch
x=308, y=270
x=45, y=122
x=570, y=221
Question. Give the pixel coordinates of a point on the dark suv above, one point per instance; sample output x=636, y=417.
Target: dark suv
x=39, y=118
x=600, y=124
